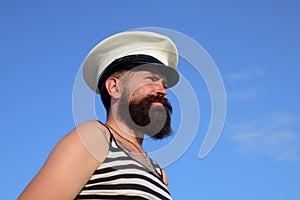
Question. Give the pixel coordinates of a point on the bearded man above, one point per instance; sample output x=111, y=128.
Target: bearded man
x=131, y=71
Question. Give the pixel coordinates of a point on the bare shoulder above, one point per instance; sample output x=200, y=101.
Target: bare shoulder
x=70, y=164
x=95, y=137
x=165, y=177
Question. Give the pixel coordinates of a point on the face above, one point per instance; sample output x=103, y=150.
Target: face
x=143, y=105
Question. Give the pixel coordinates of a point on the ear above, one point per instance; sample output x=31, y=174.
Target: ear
x=112, y=85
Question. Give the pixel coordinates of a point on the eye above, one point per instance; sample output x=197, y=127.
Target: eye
x=152, y=78
x=165, y=84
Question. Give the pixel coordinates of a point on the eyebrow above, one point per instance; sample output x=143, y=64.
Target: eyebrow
x=156, y=74
x=159, y=76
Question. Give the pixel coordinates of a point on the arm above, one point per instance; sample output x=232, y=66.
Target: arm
x=67, y=169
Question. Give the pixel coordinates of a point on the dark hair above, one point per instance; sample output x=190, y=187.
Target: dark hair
x=105, y=97
x=117, y=69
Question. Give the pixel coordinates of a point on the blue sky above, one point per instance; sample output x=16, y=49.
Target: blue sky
x=254, y=44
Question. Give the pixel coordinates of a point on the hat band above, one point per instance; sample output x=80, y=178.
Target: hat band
x=126, y=63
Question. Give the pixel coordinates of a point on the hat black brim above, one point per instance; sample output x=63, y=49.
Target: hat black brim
x=170, y=74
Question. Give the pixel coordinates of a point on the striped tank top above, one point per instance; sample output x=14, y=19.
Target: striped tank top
x=120, y=176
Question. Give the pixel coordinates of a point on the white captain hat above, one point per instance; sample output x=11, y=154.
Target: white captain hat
x=137, y=47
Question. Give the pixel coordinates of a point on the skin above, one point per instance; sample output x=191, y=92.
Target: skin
x=71, y=156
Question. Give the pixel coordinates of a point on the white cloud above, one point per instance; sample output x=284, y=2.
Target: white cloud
x=274, y=136
x=245, y=93
x=244, y=84
x=245, y=74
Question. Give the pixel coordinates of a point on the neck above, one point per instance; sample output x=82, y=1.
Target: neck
x=124, y=131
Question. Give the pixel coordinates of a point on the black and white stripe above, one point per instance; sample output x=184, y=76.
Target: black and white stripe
x=122, y=177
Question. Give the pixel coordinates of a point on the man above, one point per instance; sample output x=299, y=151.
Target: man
x=131, y=71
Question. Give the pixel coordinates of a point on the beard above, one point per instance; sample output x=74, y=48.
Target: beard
x=143, y=116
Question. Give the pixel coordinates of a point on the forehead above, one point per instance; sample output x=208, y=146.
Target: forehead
x=143, y=73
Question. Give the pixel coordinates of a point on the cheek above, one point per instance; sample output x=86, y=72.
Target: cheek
x=141, y=91
x=137, y=87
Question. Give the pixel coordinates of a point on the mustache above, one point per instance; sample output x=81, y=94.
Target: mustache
x=149, y=99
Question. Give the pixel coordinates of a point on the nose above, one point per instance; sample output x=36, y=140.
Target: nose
x=161, y=89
